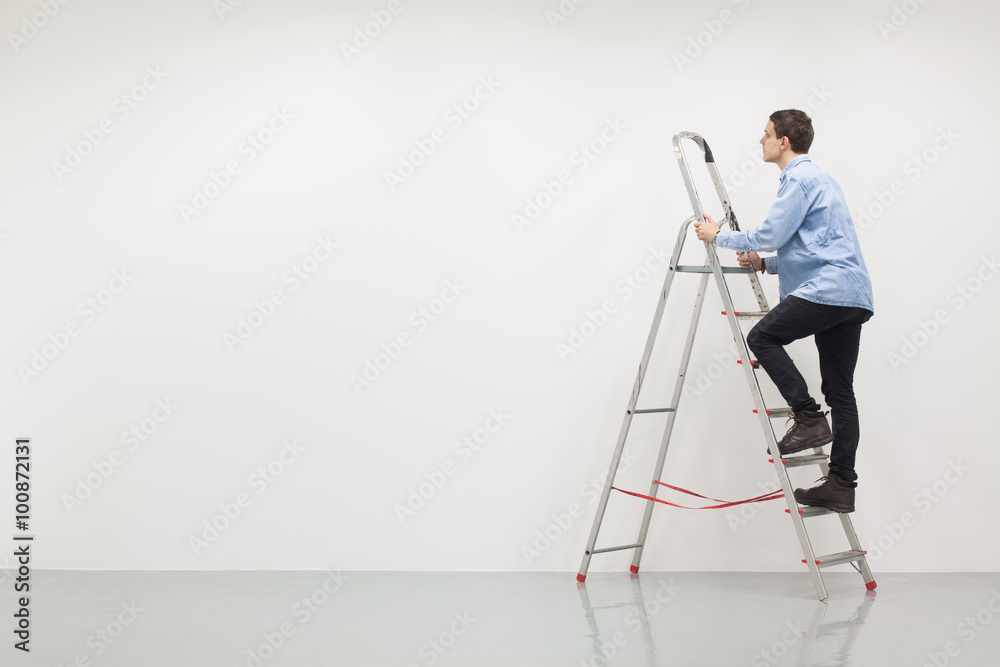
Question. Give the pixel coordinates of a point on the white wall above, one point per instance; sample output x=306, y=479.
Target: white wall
x=335, y=127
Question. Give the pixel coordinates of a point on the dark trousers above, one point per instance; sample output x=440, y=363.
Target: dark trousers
x=837, y=331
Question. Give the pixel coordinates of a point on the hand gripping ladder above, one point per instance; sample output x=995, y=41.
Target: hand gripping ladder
x=713, y=267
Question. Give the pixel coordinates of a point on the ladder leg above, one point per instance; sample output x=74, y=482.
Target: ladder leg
x=668, y=429
x=602, y=505
x=808, y=553
x=633, y=399
x=852, y=538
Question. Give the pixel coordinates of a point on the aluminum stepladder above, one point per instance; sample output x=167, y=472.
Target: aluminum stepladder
x=855, y=555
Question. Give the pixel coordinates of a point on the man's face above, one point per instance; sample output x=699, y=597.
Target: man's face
x=771, y=144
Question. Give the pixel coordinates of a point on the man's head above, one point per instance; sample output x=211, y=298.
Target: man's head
x=788, y=133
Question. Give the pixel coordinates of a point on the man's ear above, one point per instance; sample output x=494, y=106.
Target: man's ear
x=785, y=144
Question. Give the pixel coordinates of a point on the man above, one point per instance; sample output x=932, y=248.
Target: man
x=825, y=292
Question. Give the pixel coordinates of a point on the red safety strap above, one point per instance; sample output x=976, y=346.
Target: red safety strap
x=774, y=495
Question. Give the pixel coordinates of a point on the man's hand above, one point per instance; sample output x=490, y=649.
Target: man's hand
x=748, y=258
x=706, y=231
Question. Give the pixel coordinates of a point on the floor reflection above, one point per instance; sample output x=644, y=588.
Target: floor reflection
x=446, y=619
x=829, y=643
x=652, y=620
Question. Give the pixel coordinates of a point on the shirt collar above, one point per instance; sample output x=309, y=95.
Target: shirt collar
x=795, y=162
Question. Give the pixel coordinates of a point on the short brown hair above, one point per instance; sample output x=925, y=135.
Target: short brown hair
x=795, y=125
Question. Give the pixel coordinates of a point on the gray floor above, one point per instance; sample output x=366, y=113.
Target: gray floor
x=252, y=619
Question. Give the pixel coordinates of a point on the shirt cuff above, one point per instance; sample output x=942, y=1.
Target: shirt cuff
x=771, y=265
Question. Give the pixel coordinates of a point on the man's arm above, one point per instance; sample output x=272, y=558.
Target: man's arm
x=783, y=220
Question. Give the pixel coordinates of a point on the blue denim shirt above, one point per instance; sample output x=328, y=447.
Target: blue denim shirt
x=819, y=257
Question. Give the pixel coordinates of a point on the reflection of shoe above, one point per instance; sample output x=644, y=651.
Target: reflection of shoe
x=831, y=494
x=806, y=432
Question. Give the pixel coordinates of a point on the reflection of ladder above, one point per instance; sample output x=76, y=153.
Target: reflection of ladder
x=605, y=650
x=714, y=268
x=833, y=643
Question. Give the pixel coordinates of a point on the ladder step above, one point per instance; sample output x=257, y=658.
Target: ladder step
x=651, y=410
x=742, y=314
x=627, y=546
x=838, y=558
x=808, y=459
x=705, y=268
x=776, y=412
x=753, y=363
x=806, y=512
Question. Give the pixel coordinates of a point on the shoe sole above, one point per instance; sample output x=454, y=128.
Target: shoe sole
x=812, y=444
x=839, y=509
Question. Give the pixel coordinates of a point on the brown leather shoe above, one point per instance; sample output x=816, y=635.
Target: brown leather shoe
x=806, y=432
x=831, y=494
